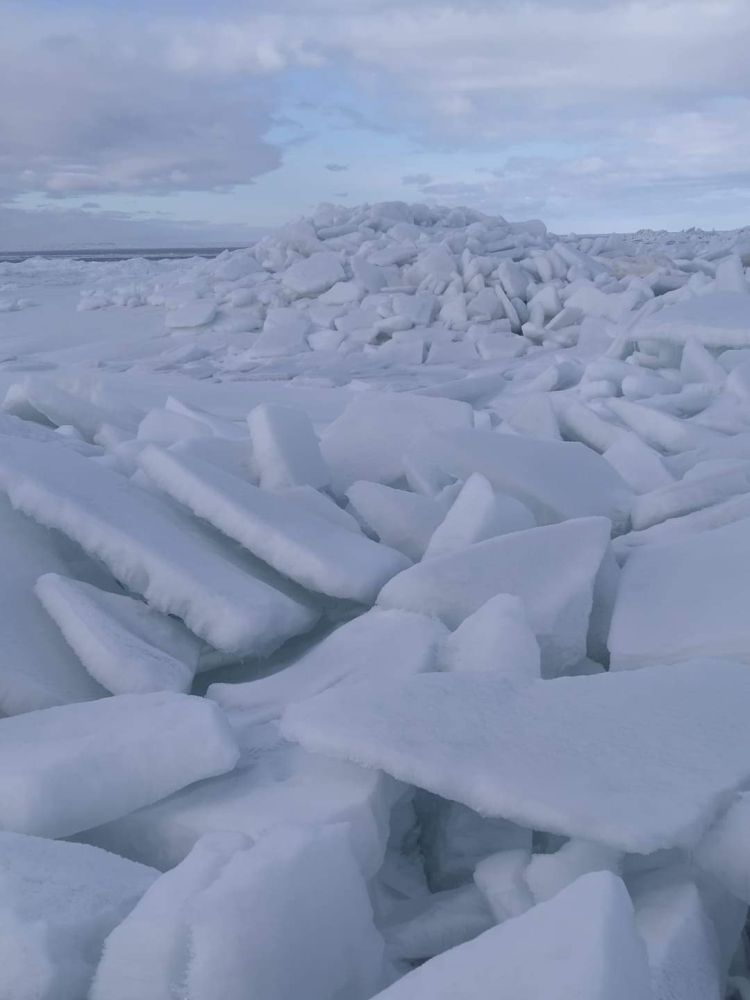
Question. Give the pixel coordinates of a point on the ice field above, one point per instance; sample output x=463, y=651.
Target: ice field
x=375, y=616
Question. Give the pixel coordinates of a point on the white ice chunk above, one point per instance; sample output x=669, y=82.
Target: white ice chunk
x=227, y=920
x=706, y=574
x=376, y=430
x=37, y=668
x=718, y=319
x=314, y=274
x=725, y=849
x=681, y=943
x=548, y=874
x=582, y=944
x=58, y=902
x=309, y=549
x=552, y=569
x=660, y=430
x=555, y=480
x=690, y=494
x=500, y=879
x=285, y=448
x=401, y=519
x=125, y=645
x=637, y=760
x=152, y=547
x=63, y=770
x=496, y=638
x=199, y=313
x=639, y=465
x=377, y=644
x=476, y=514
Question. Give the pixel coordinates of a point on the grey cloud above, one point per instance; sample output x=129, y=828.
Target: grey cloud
x=337, y=167
x=419, y=180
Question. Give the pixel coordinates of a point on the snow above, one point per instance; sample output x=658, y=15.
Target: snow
x=69, y=768
x=544, y=954
x=441, y=520
x=543, y=754
x=59, y=903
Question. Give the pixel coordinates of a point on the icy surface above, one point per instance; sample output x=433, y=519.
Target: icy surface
x=65, y=769
x=639, y=760
x=461, y=505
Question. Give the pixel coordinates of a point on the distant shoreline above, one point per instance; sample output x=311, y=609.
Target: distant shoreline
x=111, y=254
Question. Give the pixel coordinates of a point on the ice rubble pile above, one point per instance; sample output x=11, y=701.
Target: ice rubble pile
x=352, y=289
x=437, y=692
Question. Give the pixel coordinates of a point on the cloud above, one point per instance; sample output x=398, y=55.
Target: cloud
x=336, y=167
x=95, y=108
x=417, y=179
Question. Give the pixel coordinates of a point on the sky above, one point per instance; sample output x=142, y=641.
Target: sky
x=144, y=122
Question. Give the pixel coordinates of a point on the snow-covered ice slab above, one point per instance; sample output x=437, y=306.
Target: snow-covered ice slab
x=496, y=638
x=58, y=903
x=286, y=451
x=308, y=549
x=376, y=430
x=37, y=668
x=581, y=945
x=288, y=917
x=151, y=547
x=399, y=518
x=553, y=569
x=684, y=599
x=718, y=319
x=126, y=646
x=63, y=770
x=275, y=783
x=377, y=644
x=556, y=480
x=638, y=760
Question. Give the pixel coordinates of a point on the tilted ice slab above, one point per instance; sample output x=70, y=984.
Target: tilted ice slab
x=556, y=480
x=377, y=644
x=308, y=549
x=553, y=569
x=63, y=770
x=287, y=917
x=640, y=760
x=683, y=599
x=286, y=451
x=151, y=547
x=37, y=669
x=375, y=431
x=126, y=646
x=275, y=783
x=718, y=319
x=581, y=945
x=58, y=902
